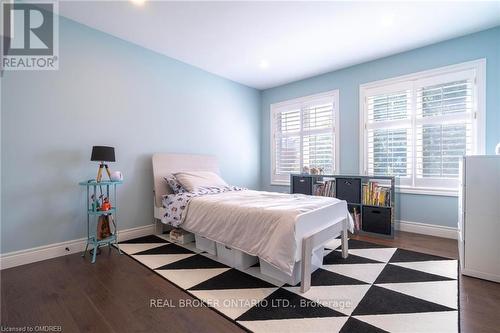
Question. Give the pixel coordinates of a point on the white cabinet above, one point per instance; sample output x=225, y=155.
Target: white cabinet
x=479, y=217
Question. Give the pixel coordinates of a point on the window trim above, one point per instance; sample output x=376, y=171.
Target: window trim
x=334, y=94
x=478, y=66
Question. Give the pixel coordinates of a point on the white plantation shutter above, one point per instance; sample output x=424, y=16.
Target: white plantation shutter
x=389, y=133
x=444, y=124
x=419, y=128
x=318, y=151
x=303, y=134
x=439, y=149
x=389, y=152
x=318, y=116
x=389, y=106
x=287, y=141
x=317, y=138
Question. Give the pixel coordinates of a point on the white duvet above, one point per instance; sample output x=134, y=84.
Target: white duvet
x=255, y=222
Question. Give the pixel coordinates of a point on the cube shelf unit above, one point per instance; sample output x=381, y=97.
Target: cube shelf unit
x=363, y=195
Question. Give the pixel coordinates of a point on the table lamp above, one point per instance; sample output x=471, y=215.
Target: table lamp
x=103, y=154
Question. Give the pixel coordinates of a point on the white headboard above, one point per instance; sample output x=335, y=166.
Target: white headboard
x=165, y=164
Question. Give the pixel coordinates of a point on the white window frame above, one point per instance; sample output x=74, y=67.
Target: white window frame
x=303, y=102
x=478, y=67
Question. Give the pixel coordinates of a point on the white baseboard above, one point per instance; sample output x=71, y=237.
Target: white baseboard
x=481, y=275
x=427, y=229
x=27, y=256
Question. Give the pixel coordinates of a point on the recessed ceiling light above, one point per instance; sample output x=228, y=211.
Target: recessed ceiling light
x=264, y=64
x=138, y=2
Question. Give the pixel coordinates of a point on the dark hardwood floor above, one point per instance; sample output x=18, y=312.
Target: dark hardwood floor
x=114, y=295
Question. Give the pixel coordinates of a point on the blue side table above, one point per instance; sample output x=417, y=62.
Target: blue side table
x=97, y=189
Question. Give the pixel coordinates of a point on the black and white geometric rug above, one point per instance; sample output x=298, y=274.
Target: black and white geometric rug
x=376, y=289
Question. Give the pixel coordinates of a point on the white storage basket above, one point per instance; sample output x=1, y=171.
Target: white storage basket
x=234, y=258
x=271, y=271
x=205, y=244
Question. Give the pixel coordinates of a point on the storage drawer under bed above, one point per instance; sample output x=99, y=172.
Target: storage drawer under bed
x=205, y=244
x=275, y=273
x=234, y=258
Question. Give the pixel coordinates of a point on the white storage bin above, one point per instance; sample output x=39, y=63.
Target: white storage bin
x=234, y=258
x=271, y=271
x=205, y=244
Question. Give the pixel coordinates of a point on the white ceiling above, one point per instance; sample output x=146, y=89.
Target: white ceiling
x=236, y=40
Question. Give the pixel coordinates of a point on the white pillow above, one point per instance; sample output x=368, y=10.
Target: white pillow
x=193, y=180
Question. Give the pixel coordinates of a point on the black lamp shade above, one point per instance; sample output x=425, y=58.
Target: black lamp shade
x=103, y=154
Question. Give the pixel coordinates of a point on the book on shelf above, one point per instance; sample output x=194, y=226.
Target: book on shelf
x=356, y=217
x=375, y=194
x=325, y=188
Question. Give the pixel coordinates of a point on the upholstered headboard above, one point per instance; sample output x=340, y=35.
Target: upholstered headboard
x=165, y=164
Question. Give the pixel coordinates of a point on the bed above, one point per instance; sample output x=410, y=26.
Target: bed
x=313, y=227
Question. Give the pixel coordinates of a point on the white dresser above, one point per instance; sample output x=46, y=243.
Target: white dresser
x=479, y=217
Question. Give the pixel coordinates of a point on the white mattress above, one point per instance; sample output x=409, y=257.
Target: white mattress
x=265, y=224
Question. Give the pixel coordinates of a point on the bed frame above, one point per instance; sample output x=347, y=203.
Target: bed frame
x=165, y=164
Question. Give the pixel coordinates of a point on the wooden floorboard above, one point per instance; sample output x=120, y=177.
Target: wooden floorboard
x=114, y=295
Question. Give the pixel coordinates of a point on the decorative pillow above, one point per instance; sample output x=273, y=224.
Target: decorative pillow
x=194, y=180
x=174, y=184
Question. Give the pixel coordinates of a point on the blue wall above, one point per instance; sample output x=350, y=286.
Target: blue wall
x=110, y=92
x=416, y=208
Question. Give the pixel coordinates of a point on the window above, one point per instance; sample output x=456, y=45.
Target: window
x=303, y=133
x=419, y=126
